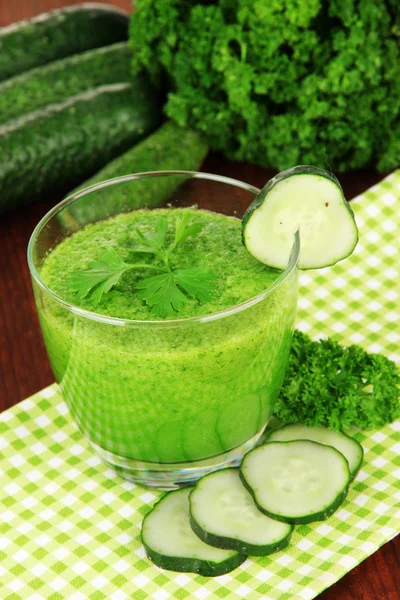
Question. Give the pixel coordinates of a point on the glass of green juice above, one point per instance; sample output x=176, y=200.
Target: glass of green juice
x=164, y=400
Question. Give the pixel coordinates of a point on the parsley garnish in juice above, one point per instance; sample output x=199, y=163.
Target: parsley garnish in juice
x=164, y=293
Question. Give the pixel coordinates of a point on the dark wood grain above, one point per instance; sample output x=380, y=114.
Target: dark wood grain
x=15, y=10
x=24, y=367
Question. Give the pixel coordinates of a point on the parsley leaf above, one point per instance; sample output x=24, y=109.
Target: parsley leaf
x=196, y=282
x=100, y=276
x=337, y=387
x=154, y=242
x=183, y=231
x=163, y=293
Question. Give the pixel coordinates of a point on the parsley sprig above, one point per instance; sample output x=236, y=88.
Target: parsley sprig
x=338, y=387
x=165, y=293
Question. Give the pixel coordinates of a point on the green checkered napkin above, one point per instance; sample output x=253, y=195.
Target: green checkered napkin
x=70, y=526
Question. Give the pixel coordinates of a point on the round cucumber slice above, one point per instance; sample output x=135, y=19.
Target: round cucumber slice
x=296, y=482
x=171, y=544
x=349, y=447
x=241, y=415
x=223, y=514
x=169, y=445
x=199, y=435
x=307, y=199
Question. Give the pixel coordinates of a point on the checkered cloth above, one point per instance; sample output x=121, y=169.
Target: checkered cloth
x=70, y=526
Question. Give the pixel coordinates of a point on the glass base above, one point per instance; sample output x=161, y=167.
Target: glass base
x=171, y=476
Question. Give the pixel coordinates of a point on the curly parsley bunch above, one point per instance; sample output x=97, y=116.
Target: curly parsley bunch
x=279, y=83
x=337, y=387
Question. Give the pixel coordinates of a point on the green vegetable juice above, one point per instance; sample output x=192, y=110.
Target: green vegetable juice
x=153, y=390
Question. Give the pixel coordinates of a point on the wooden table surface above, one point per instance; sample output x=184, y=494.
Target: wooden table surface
x=24, y=368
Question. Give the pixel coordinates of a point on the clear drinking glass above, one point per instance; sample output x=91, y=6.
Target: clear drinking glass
x=165, y=402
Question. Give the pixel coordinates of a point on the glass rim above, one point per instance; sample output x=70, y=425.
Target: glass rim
x=94, y=316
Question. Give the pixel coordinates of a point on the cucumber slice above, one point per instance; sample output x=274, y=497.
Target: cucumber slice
x=169, y=442
x=207, y=444
x=171, y=544
x=349, y=447
x=239, y=421
x=296, y=482
x=307, y=199
x=223, y=514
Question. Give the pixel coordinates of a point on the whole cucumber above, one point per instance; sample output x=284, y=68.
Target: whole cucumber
x=60, y=145
x=169, y=148
x=59, y=33
x=62, y=79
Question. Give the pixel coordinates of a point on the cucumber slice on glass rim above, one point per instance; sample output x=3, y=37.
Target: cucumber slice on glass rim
x=296, y=482
x=223, y=514
x=171, y=544
x=304, y=199
x=348, y=446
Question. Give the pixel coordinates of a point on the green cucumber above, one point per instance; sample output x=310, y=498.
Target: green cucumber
x=55, y=147
x=207, y=444
x=349, y=447
x=169, y=148
x=59, y=33
x=168, y=443
x=307, y=199
x=249, y=409
x=171, y=544
x=296, y=482
x=62, y=79
x=223, y=514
